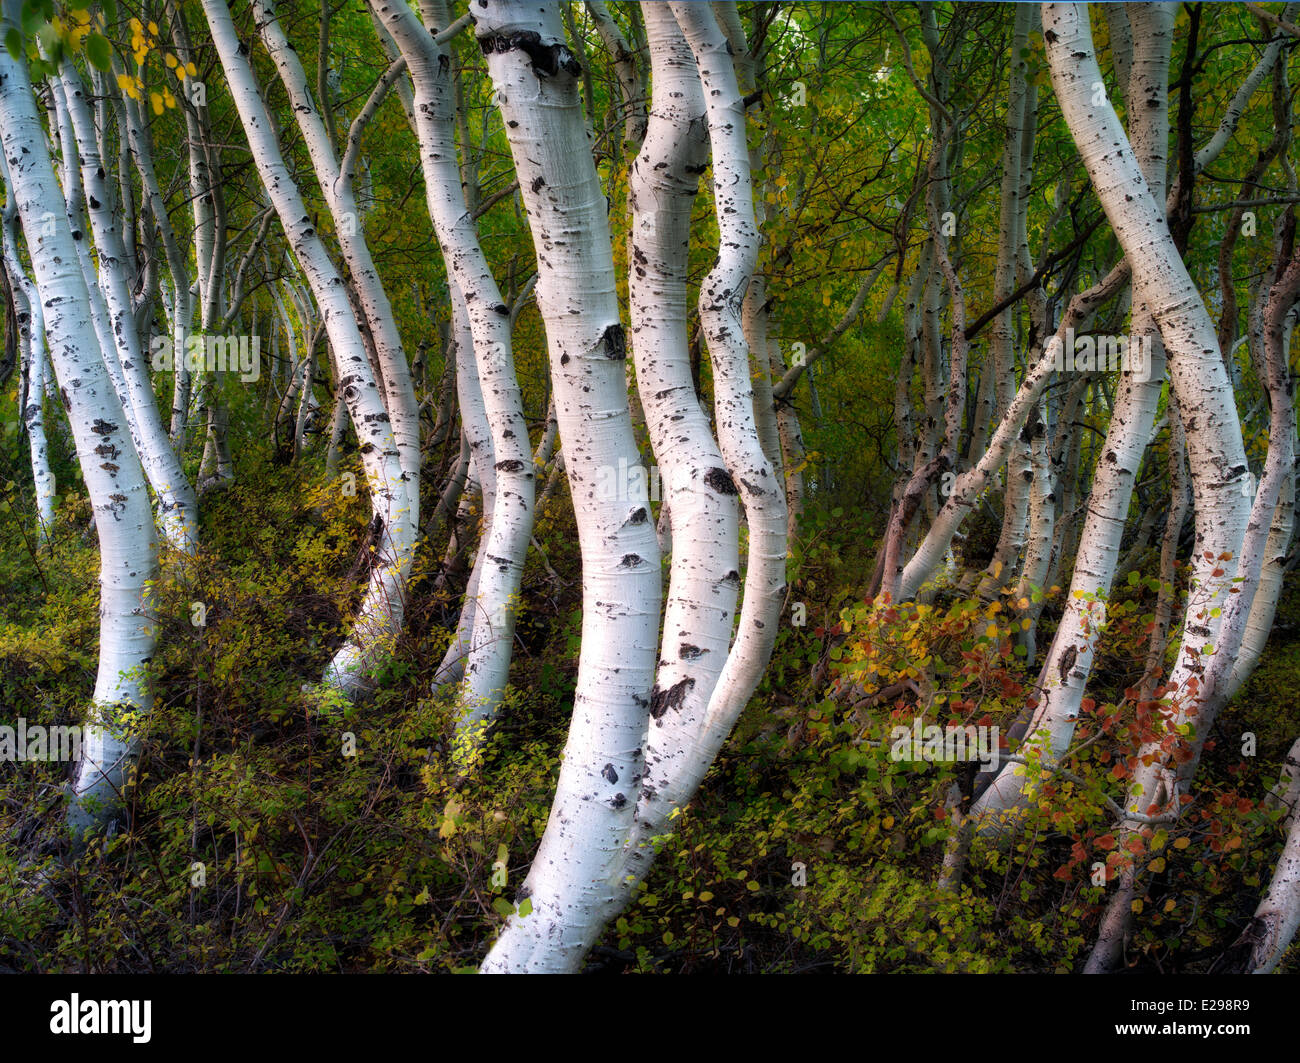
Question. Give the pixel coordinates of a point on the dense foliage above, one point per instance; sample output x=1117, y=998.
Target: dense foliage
x=278, y=828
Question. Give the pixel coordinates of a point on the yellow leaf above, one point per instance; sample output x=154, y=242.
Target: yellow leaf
x=448, y=827
x=155, y=99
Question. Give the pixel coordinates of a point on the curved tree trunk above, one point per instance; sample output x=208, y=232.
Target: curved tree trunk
x=113, y=474
x=177, y=503
x=379, y=619
x=488, y=665
x=337, y=181
x=536, y=81
x=761, y=491
x=1066, y=670
x=31, y=339
x=704, y=580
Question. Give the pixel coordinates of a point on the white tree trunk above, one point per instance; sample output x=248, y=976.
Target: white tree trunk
x=112, y=471
x=721, y=299
x=1277, y=918
x=535, y=77
x=31, y=338
x=488, y=665
x=1162, y=288
x=704, y=579
x=379, y=619
x=182, y=307
x=1267, y=936
x=1001, y=361
x=338, y=185
x=178, y=509
x=478, y=434
x=1068, y=665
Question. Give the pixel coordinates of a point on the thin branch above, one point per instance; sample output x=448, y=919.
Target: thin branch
x=347, y=166
x=1276, y=20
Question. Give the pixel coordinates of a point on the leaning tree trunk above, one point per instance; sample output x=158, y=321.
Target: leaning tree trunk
x=478, y=436
x=487, y=666
x=701, y=495
x=178, y=508
x=209, y=213
x=1216, y=454
x=761, y=490
x=337, y=181
x=113, y=474
x=1159, y=779
x=31, y=338
x=1000, y=367
x=1068, y=666
x=392, y=532
x=182, y=313
x=1264, y=941
x=537, y=89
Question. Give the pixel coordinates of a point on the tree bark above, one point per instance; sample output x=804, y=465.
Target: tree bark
x=574, y=871
x=113, y=474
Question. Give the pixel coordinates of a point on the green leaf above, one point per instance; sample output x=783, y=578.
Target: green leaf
x=52, y=42
x=98, y=52
x=32, y=19
x=503, y=907
x=14, y=43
